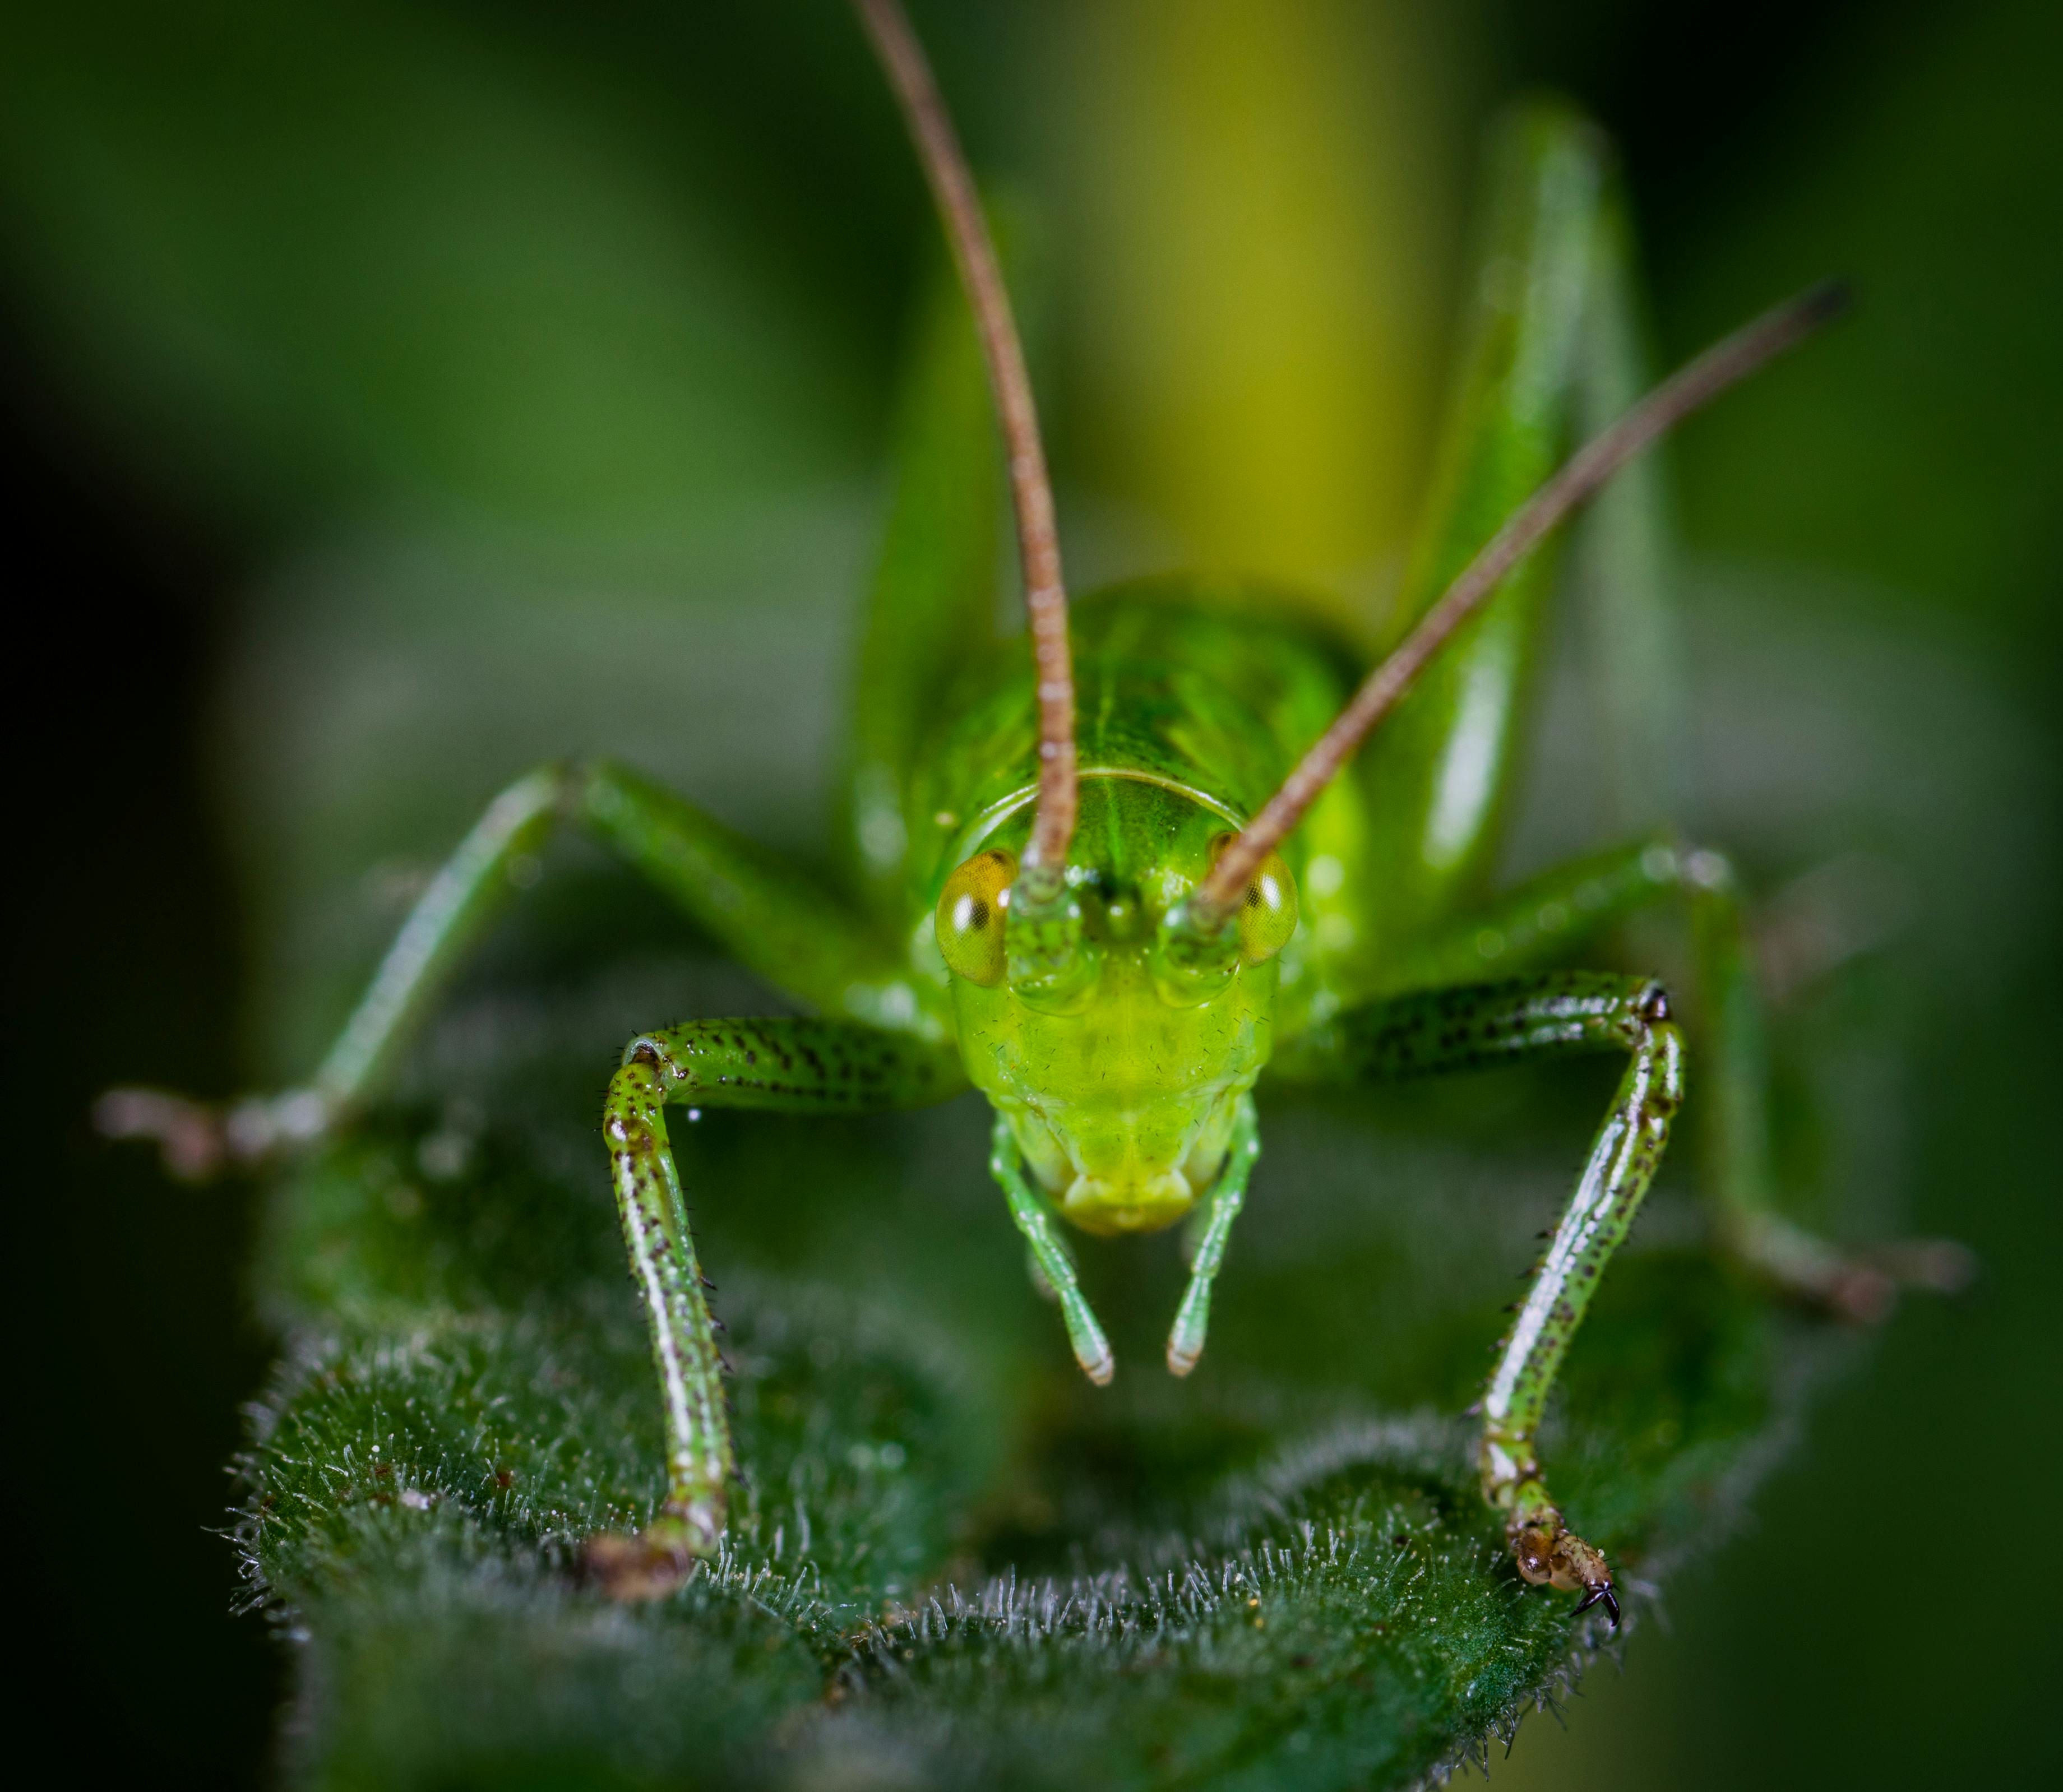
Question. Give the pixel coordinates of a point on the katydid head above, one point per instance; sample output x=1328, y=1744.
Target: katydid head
x=1115, y=1043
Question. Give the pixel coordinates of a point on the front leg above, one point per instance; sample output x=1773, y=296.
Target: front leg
x=793, y=1067
x=1440, y=1031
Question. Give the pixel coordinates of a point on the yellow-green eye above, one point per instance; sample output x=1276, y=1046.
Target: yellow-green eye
x=1268, y=911
x=970, y=917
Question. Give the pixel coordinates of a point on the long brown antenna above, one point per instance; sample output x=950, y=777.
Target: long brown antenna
x=1037, y=538
x=1732, y=359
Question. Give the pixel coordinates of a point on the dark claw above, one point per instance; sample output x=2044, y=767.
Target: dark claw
x=1601, y=1594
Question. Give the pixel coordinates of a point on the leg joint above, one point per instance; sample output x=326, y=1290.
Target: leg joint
x=657, y=1054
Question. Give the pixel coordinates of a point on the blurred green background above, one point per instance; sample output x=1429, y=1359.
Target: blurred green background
x=370, y=370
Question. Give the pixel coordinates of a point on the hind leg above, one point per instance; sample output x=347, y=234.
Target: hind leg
x=1556, y=914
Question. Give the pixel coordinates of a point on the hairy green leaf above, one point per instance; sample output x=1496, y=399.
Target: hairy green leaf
x=951, y=1561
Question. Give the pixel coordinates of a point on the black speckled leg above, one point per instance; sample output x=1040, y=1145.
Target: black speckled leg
x=794, y=1066
x=1441, y=1031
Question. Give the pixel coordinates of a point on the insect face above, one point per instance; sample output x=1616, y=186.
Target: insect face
x=1117, y=1048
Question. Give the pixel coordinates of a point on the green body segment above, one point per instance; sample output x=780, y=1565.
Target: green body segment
x=1197, y=684
x=1439, y=772
x=934, y=585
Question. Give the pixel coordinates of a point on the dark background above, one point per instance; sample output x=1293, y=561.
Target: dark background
x=1886, y=1624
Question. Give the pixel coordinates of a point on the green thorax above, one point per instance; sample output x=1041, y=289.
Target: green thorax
x=1181, y=679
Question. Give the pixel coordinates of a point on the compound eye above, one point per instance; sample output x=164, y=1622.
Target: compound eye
x=969, y=922
x=1267, y=910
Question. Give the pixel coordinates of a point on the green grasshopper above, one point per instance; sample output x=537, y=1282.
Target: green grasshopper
x=1113, y=875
